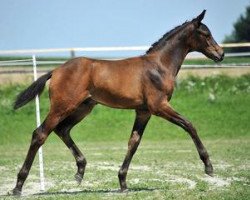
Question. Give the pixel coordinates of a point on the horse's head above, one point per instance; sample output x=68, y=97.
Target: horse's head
x=203, y=41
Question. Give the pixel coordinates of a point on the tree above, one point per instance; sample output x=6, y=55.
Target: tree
x=242, y=27
x=241, y=32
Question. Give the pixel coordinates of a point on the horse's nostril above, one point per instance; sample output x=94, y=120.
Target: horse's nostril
x=222, y=56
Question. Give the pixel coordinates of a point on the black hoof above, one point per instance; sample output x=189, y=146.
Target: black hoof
x=123, y=190
x=78, y=178
x=209, y=171
x=123, y=187
x=15, y=192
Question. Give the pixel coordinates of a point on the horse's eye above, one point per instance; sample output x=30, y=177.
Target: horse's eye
x=205, y=33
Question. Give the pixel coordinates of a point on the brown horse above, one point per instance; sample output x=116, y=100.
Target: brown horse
x=144, y=83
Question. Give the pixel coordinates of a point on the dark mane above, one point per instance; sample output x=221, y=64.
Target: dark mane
x=162, y=41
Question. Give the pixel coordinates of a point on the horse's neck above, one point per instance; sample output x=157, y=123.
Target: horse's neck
x=172, y=56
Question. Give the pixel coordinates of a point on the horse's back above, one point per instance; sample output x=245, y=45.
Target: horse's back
x=112, y=83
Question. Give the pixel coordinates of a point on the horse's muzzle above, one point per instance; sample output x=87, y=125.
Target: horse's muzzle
x=221, y=57
x=218, y=55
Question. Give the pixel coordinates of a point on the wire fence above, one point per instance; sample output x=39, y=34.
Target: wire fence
x=19, y=65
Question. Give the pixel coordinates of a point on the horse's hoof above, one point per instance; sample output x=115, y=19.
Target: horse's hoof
x=209, y=171
x=15, y=192
x=123, y=190
x=78, y=178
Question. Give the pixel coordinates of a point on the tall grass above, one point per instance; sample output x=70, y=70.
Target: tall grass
x=218, y=106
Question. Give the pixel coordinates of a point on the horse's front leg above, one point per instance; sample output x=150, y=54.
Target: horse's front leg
x=142, y=118
x=165, y=111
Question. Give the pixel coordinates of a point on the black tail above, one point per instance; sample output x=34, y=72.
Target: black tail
x=30, y=93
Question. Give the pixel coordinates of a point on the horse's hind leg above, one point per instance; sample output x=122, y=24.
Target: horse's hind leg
x=58, y=112
x=63, y=131
x=141, y=120
x=38, y=138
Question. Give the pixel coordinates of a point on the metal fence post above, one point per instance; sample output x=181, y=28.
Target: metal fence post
x=38, y=123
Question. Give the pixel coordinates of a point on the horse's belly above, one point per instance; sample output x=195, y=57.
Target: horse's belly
x=126, y=101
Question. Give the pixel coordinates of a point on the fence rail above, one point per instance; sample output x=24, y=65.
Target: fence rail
x=108, y=49
x=28, y=62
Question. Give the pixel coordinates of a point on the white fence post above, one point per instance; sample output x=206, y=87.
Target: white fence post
x=38, y=123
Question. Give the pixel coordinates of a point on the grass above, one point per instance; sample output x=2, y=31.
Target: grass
x=160, y=170
x=166, y=165
x=227, y=60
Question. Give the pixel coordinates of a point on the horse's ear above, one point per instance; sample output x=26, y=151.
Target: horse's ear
x=199, y=18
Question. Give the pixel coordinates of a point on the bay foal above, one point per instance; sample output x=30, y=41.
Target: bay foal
x=143, y=83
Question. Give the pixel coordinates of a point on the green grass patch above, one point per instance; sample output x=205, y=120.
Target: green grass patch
x=166, y=165
x=217, y=106
x=159, y=170
x=227, y=60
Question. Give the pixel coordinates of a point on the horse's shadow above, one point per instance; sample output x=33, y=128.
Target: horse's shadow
x=100, y=191
x=88, y=191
